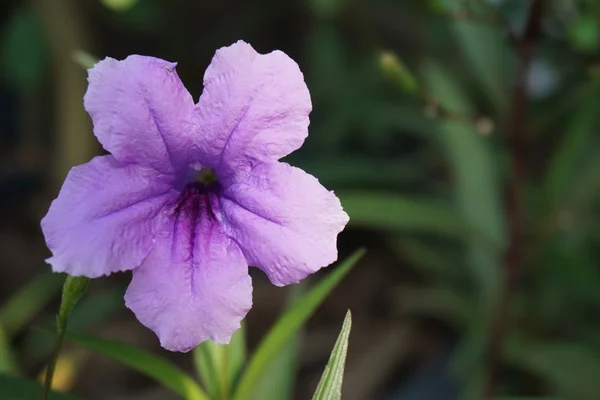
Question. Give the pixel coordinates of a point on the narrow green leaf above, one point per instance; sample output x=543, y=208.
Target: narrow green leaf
x=7, y=362
x=360, y=171
x=24, y=305
x=85, y=59
x=527, y=398
x=489, y=56
x=396, y=212
x=13, y=388
x=280, y=381
x=584, y=34
x=585, y=189
x=568, y=153
x=443, y=303
x=570, y=368
x=209, y=360
x=23, y=52
x=219, y=365
x=92, y=309
x=435, y=261
x=398, y=72
x=477, y=184
x=236, y=357
x=157, y=368
x=119, y=5
x=288, y=325
x=330, y=385
x=326, y=8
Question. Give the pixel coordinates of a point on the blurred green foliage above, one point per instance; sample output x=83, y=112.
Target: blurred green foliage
x=413, y=104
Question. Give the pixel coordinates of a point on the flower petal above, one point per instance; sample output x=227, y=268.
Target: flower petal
x=103, y=219
x=284, y=220
x=194, y=286
x=141, y=111
x=254, y=108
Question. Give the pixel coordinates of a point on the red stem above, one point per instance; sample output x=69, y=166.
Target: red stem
x=525, y=48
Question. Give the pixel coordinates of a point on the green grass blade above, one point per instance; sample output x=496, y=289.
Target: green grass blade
x=489, y=57
x=219, y=366
x=91, y=310
x=477, y=184
x=208, y=361
x=568, y=154
x=7, y=362
x=280, y=381
x=394, y=212
x=570, y=369
x=24, y=305
x=157, y=368
x=84, y=59
x=13, y=388
x=288, y=325
x=330, y=386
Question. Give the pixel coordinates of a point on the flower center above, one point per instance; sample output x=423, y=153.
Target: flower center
x=206, y=176
x=199, y=194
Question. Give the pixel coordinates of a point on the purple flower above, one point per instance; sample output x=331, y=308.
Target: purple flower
x=194, y=193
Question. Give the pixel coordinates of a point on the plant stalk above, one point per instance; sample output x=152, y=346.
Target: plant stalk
x=525, y=46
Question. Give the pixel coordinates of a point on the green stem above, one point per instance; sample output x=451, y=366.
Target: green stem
x=73, y=290
x=60, y=329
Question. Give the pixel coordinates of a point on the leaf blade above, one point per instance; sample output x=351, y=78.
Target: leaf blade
x=29, y=301
x=157, y=368
x=288, y=324
x=279, y=383
x=219, y=366
x=392, y=211
x=13, y=388
x=330, y=385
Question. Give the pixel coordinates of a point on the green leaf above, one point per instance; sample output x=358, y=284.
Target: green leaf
x=441, y=303
x=436, y=262
x=584, y=34
x=585, y=189
x=219, y=366
x=24, y=305
x=330, y=385
x=288, y=325
x=157, y=368
x=562, y=167
x=573, y=270
x=13, y=388
x=396, y=212
x=92, y=309
x=477, y=184
x=279, y=382
x=326, y=8
x=487, y=52
x=85, y=59
x=23, y=51
x=7, y=362
x=527, y=398
x=119, y=5
x=570, y=368
x=361, y=171
x=398, y=72
x=96, y=307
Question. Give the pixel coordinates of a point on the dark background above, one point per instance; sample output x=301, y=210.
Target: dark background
x=472, y=181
